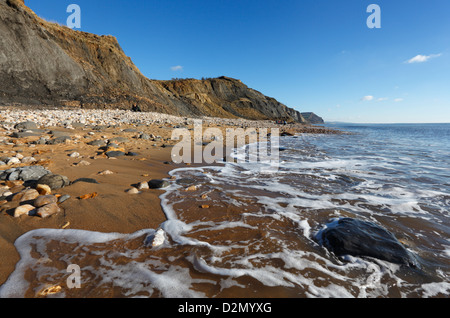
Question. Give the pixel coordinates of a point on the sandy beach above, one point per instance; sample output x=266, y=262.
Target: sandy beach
x=147, y=146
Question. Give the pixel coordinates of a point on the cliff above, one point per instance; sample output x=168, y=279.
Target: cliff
x=43, y=63
x=313, y=118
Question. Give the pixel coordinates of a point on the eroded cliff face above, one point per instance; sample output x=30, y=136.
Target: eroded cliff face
x=46, y=63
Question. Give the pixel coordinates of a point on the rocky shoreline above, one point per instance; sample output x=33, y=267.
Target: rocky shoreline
x=95, y=170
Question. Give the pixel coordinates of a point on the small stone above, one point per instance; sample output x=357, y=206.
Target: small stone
x=26, y=209
x=13, y=183
x=74, y=155
x=48, y=210
x=59, y=140
x=13, y=161
x=43, y=189
x=97, y=143
x=205, y=206
x=191, y=188
x=28, y=160
x=105, y=172
x=42, y=200
x=63, y=198
x=156, y=239
x=114, y=154
x=26, y=125
x=133, y=191
x=25, y=195
x=143, y=185
x=83, y=163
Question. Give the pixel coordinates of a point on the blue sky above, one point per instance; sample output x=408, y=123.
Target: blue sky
x=311, y=55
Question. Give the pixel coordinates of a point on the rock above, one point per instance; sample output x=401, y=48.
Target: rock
x=26, y=209
x=13, y=161
x=13, y=183
x=114, y=154
x=54, y=181
x=32, y=173
x=192, y=188
x=74, y=155
x=143, y=185
x=105, y=172
x=83, y=163
x=87, y=180
x=26, y=125
x=43, y=189
x=48, y=210
x=97, y=143
x=133, y=191
x=59, y=140
x=25, y=195
x=27, y=160
x=156, y=239
x=347, y=236
x=63, y=198
x=13, y=176
x=144, y=136
x=42, y=200
x=158, y=184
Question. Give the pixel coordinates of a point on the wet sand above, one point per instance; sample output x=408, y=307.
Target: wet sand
x=113, y=209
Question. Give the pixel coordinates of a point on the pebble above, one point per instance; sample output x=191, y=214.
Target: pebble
x=26, y=209
x=105, y=172
x=25, y=195
x=133, y=191
x=83, y=163
x=43, y=189
x=42, y=200
x=143, y=185
x=191, y=188
x=114, y=154
x=48, y=210
x=63, y=198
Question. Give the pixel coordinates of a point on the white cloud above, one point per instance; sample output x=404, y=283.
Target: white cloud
x=422, y=58
x=398, y=100
x=177, y=68
x=367, y=98
x=381, y=99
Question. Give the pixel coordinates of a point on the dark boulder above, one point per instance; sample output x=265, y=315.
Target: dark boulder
x=54, y=181
x=347, y=236
x=158, y=184
x=113, y=154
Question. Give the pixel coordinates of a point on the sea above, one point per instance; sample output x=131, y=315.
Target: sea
x=251, y=233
